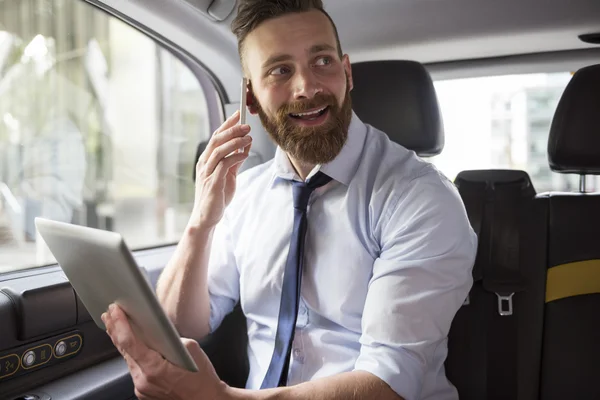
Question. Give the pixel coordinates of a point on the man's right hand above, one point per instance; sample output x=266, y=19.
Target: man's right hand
x=216, y=171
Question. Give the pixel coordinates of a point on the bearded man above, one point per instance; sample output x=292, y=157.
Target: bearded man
x=350, y=256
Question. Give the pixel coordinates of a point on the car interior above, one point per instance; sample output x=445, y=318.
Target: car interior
x=106, y=105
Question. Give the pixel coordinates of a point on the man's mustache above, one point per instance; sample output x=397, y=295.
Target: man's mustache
x=300, y=106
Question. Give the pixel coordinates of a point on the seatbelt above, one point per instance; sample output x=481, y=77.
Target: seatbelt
x=502, y=277
x=473, y=195
x=471, y=333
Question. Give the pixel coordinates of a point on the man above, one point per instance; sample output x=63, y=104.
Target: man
x=384, y=248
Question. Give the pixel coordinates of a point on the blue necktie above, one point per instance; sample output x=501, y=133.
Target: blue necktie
x=292, y=277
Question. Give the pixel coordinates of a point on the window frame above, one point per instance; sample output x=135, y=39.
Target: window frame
x=216, y=96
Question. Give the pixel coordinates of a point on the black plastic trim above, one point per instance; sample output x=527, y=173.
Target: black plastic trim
x=98, y=346
x=109, y=380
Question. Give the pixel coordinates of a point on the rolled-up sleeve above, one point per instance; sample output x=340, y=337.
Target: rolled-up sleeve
x=223, y=276
x=419, y=281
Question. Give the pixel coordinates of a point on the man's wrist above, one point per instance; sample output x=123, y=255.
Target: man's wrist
x=232, y=393
x=198, y=229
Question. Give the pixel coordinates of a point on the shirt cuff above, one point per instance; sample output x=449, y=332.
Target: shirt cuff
x=396, y=367
x=220, y=306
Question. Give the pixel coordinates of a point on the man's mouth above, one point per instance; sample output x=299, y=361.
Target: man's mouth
x=311, y=115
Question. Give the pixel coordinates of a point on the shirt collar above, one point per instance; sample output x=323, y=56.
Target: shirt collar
x=341, y=169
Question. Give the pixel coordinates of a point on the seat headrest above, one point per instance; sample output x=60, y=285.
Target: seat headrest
x=574, y=143
x=398, y=98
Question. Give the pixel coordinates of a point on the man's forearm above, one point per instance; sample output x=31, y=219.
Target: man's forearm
x=356, y=385
x=182, y=288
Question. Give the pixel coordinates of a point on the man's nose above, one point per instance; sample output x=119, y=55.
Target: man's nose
x=306, y=84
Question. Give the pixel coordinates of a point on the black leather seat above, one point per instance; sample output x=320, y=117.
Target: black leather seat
x=494, y=346
x=398, y=98
x=571, y=343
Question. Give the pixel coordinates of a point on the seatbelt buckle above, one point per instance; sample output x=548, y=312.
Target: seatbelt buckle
x=505, y=304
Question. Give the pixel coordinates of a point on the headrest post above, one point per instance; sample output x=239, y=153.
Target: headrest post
x=582, y=183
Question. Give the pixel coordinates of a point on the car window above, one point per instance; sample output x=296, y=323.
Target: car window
x=500, y=122
x=98, y=126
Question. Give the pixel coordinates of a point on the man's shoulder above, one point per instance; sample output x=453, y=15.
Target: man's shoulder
x=391, y=165
x=412, y=191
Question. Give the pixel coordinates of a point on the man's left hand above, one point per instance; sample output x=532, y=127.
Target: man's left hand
x=156, y=378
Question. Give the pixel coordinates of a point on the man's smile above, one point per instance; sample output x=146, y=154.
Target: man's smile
x=312, y=117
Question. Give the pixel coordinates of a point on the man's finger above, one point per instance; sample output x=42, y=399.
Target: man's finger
x=221, y=139
x=134, y=369
x=229, y=122
x=236, y=168
x=227, y=163
x=125, y=340
x=220, y=154
x=192, y=347
x=220, y=135
x=110, y=330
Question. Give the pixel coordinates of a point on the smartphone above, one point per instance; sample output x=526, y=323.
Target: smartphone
x=243, y=97
x=243, y=105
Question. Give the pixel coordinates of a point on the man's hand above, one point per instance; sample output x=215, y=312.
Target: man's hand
x=216, y=171
x=182, y=288
x=154, y=377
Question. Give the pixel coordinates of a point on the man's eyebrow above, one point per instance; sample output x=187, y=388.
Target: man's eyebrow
x=322, y=47
x=276, y=59
x=317, y=48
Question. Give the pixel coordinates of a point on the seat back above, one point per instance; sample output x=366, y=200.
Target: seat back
x=494, y=344
x=227, y=349
x=398, y=98
x=571, y=345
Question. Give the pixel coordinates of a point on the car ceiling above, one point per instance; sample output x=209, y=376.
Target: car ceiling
x=429, y=31
x=445, y=30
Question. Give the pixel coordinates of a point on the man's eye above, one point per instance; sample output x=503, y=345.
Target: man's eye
x=323, y=61
x=279, y=71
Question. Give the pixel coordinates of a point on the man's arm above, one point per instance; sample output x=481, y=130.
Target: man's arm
x=183, y=286
x=157, y=379
x=355, y=385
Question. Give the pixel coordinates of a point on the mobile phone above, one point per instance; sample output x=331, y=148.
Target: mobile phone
x=243, y=105
x=243, y=97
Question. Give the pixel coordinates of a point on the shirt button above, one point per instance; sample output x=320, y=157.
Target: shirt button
x=298, y=356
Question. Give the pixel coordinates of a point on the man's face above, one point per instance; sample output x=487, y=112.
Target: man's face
x=300, y=87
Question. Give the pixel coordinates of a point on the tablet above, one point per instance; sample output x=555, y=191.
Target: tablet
x=243, y=105
x=102, y=271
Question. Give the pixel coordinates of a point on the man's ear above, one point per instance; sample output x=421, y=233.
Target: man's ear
x=348, y=69
x=251, y=101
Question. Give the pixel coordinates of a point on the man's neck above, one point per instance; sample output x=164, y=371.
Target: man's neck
x=302, y=168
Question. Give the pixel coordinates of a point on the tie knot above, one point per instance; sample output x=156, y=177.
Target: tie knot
x=303, y=190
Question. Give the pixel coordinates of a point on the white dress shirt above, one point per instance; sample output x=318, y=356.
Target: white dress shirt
x=388, y=261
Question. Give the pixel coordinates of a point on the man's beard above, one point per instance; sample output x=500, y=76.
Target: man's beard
x=312, y=145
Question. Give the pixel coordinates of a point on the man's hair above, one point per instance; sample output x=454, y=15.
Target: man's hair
x=252, y=13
